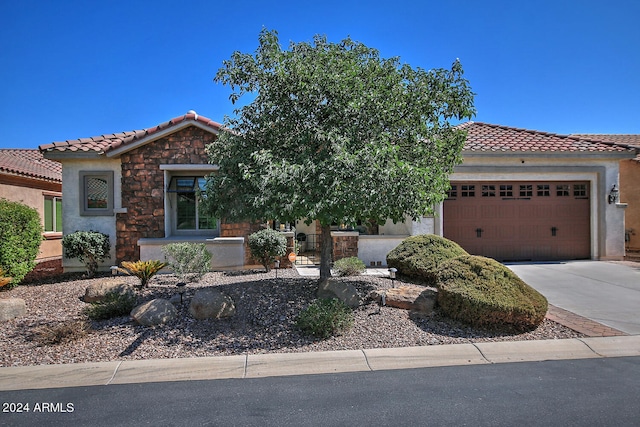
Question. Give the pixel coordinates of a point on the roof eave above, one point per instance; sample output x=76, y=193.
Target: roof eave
x=116, y=152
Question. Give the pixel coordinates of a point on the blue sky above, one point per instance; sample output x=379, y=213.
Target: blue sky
x=72, y=69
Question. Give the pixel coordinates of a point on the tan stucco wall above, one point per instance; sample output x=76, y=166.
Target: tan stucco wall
x=34, y=198
x=630, y=194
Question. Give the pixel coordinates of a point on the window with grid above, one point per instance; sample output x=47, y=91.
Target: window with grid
x=468, y=190
x=580, y=190
x=543, y=190
x=488, y=191
x=526, y=190
x=562, y=190
x=506, y=190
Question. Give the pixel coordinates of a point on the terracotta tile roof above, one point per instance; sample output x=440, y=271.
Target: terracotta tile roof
x=482, y=137
x=105, y=143
x=30, y=164
x=629, y=139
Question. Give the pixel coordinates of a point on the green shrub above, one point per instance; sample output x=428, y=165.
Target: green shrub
x=113, y=305
x=325, y=318
x=419, y=256
x=20, y=238
x=143, y=270
x=266, y=245
x=189, y=261
x=481, y=291
x=90, y=247
x=351, y=266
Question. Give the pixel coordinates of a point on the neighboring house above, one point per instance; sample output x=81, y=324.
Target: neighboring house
x=140, y=188
x=629, y=185
x=27, y=177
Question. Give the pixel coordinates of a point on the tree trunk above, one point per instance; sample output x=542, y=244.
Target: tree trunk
x=326, y=253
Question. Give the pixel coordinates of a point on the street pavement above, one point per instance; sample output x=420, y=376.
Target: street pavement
x=606, y=291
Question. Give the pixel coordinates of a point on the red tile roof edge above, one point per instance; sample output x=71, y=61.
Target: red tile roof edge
x=29, y=163
x=590, y=145
x=107, y=142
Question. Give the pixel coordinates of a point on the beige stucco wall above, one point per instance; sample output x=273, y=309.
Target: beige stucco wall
x=34, y=198
x=73, y=221
x=630, y=194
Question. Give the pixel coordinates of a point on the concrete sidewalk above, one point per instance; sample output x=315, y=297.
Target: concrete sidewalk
x=281, y=364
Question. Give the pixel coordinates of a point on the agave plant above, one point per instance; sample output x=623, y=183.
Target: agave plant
x=143, y=270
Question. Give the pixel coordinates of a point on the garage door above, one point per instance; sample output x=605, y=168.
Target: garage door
x=518, y=221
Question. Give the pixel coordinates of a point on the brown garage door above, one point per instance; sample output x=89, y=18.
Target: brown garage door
x=517, y=221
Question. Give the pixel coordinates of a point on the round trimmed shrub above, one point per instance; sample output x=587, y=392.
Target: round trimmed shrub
x=482, y=292
x=420, y=256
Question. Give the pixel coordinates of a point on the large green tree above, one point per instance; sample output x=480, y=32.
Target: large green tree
x=335, y=133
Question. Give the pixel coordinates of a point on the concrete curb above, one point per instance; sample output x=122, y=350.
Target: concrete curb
x=283, y=364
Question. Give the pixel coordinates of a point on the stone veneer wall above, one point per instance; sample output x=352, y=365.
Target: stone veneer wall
x=143, y=186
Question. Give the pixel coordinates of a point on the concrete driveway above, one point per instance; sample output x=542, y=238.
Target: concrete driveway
x=606, y=292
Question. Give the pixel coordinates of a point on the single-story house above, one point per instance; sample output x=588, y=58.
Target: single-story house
x=140, y=188
x=629, y=185
x=27, y=177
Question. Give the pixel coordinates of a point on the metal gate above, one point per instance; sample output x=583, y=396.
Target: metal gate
x=308, y=250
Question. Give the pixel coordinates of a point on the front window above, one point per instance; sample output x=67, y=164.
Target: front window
x=96, y=190
x=186, y=194
x=52, y=214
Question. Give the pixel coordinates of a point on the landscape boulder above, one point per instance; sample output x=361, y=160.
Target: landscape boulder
x=154, y=312
x=336, y=288
x=408, y=297
x=97, y=292
x=10, y=308
x=211, y=304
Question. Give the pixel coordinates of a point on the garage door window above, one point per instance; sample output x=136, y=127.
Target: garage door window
x=580, y=190
x=562, y=190
x=526, y=190
x=468, y=191
x=543, y=190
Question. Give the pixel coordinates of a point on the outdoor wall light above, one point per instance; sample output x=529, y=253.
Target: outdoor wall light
x=614, y=194
x=392, y=276
x=181, y=288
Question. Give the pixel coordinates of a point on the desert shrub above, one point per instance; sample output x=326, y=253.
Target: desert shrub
x=481, y=291
x=418, y=257
x=189, y=261
x=143, y=270
x=325, y=318
x=266, y=245
x=113, y=305
x=351, y=266
x=66, y=331
x=20, y=238
x=90, y=247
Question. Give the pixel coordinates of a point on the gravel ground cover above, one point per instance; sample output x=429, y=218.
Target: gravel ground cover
x=267, y=308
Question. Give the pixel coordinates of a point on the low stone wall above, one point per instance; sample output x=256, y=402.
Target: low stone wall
x=227, y=252
x=373, y=250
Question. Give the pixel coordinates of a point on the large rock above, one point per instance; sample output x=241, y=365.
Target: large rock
x=97, y=292
x=10, y=308
x=414, y=298
x=211, y=303
x=336, y=288
x=154, y=312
